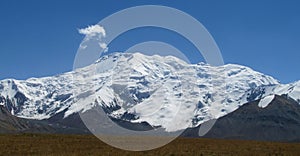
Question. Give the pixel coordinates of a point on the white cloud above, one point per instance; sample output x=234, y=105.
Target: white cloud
x=103, y=46
x=95, y=32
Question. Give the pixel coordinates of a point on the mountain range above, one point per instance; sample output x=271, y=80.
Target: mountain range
x=145, y=92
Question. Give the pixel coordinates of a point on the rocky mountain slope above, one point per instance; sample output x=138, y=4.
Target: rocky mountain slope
x=278, y=121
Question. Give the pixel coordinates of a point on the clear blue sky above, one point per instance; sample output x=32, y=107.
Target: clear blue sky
x=40, y=38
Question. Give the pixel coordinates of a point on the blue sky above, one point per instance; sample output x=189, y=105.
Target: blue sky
x=40, y=38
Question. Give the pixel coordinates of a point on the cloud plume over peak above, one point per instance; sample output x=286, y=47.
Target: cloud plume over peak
x=93, y=32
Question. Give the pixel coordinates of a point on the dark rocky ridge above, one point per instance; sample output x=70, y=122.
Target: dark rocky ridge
x=279, y=121
x=13, y=124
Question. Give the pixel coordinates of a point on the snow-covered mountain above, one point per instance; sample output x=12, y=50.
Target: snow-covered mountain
x=137, y=88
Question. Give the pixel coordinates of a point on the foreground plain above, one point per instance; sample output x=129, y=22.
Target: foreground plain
x=52, y=144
